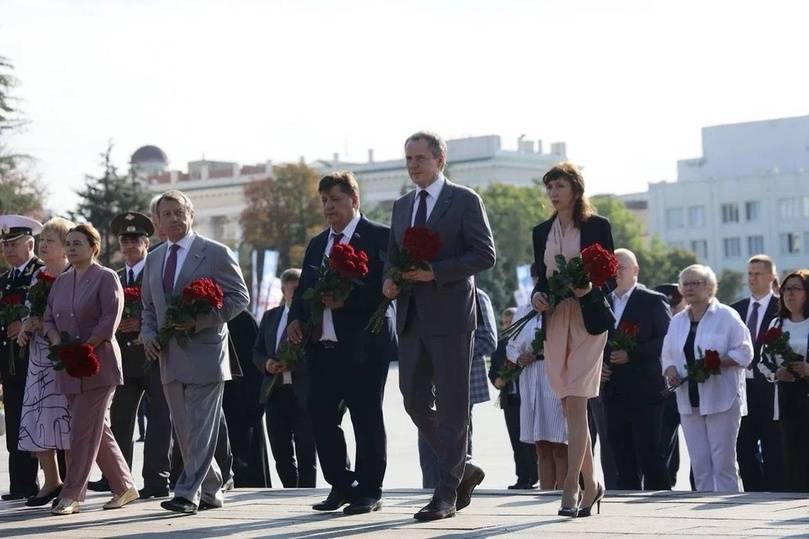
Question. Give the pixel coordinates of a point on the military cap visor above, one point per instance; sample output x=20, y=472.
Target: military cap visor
x=13, y=227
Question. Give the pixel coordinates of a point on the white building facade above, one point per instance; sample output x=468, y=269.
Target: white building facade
x=748, y=194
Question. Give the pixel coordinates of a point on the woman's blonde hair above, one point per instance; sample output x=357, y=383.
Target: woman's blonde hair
x=59, y=227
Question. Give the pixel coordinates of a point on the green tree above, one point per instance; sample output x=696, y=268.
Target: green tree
x=283, y=212
x=730, y=286
x=513, y=212
x=105, y=196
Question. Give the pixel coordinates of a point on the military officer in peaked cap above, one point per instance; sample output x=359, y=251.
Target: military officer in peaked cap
x=141, y=376
x=17, y=237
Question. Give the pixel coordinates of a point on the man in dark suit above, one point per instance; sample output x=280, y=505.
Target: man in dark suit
x=347, y=364
x=525, y=456
x=141, y=376
x=288, y=425
x=759, y=444
x=17, y=237
x=436, y=316
x=634, y=407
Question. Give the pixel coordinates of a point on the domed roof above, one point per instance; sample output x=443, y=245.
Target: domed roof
x=146, y=154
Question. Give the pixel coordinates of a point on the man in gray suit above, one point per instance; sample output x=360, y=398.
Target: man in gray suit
x=193, y=370
x=436, y=316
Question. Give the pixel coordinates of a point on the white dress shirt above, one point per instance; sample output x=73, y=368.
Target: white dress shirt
x=329, y=334
x=720, y=329
x=433, y=190
x=182, y=252
x=282, y=325
x=137, y=268
x=798, y=341
x=619, y=303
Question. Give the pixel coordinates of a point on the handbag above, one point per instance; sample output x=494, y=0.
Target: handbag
x=596, y=312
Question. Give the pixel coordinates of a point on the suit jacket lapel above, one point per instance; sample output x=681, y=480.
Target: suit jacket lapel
x=403, y=218
x=192, y=260
x=274, y=330
x=442, y=204
x=630, y=304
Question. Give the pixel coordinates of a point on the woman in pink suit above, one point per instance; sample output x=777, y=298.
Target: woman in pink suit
x=86, y=302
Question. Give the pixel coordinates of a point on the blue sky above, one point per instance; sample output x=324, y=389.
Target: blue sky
x=627, y=84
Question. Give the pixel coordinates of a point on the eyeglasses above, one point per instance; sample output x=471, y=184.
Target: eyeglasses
x=793, y=289
x=693, y=284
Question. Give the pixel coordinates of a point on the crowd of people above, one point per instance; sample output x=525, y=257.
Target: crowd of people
x=618, y=362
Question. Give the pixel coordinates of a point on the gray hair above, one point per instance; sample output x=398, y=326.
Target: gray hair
x=153, y=205
x=437, y=145
x=704, y=272
x=291, y=274
x=511, y=311
x=627, y=253
x=177, y=196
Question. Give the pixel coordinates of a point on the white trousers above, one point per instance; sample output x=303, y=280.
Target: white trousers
x=711, y=441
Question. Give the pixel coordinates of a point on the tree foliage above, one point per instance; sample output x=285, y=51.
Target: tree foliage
x=107, y=195
x=730, y=286
x=283, y=212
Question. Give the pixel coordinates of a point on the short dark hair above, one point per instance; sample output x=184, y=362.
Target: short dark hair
x=92, y=235
x=803, y=275
x=344, y=179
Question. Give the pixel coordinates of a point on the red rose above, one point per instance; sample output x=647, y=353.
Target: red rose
x=132, y=293
x=771, y=335
x=12, y=299
x=599, y=264
x=205, y=290
x=629, y=328
x=348, y=262
x=45, y=277
x=421, y=243
x=712, y=361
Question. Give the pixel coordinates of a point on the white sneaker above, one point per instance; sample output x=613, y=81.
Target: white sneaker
x=119, y=501
x=66, y=506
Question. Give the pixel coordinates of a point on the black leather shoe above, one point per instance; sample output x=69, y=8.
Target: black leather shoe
x=435, y=510
x=153, y=492
x=11, y=496
x=99, y=486
x=39, y=501
x=363, y=505
x=335, y=500
x=472, y=477
x=180, y=505
x=522, y=486
x=204, y=506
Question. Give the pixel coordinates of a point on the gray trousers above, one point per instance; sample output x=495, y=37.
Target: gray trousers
x=195, y=414
x=434, y=380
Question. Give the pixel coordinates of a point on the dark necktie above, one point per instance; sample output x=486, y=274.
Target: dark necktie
x=421, y=211
x=171, y=269
x=14, y=274
x=335, y=239
x=131, y=278
x=752, y=323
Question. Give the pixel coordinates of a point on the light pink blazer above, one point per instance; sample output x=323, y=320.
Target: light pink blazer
x=87, y=308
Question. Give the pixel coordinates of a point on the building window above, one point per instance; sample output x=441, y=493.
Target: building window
x=752, y=210
x=755, y=245
x=730, y=213
x=789, y=208
x=696, y=216
x=790, y=243
x=700, y=248
x=674, y=218
x=732, y=247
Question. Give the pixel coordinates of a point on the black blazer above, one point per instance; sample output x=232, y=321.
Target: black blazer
x=640, y=381
x=350, y=321
x=264, y=348
x=770, y=313
x=595, y=230
x=511, y=392
x=133, y=357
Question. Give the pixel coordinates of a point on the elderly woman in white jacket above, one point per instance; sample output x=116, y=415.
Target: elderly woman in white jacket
x=710, y=411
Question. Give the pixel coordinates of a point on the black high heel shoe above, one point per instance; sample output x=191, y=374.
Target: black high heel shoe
x=39, y=501
x=574, y=511
x=588, y=511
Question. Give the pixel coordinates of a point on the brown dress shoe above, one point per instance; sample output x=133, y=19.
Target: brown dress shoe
x=472, y=477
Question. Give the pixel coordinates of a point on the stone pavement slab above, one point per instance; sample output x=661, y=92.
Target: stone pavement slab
x=493, y=513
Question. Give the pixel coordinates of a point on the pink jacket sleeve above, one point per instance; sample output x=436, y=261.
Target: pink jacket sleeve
x=111, y=304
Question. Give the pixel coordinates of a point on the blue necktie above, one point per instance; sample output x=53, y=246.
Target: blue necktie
x=421, y=211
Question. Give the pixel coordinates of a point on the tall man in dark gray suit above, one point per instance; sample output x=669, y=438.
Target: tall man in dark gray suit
x=437, y=316
x=193, y=370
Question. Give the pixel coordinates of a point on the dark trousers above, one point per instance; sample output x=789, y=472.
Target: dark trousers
x=291, y=436
x=793, y=404
x=758, y=446
x=22, y=465
x=597, y=420
x=429, y=462
x=634, y=436
x=669, y=437
x=124, y=412
x=525, y=455
x=336, y=382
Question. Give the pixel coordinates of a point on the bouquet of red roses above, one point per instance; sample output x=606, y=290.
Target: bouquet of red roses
x=199, y=297
x=38, y=294
x=420, y=245
x=340, y=271
x=707, y=364
x=774, y=343
x=594, y=265
x=12, y=309
x=132, y=302
x=624, y=338
x=78, y=359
